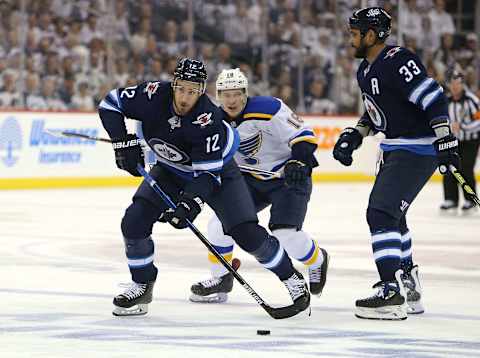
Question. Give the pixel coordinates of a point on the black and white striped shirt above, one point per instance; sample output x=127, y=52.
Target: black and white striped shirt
x=466, y=112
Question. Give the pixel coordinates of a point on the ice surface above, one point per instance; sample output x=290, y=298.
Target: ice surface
x=61, y=259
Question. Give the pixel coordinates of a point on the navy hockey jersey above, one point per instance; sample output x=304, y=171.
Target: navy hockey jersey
x=198, y=142
x=401, y=100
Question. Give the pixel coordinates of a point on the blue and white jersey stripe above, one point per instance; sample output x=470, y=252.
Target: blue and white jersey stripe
x=111, y=102
x=425, y=93
x=191, y=171
x=276, y=259
x=422, y=146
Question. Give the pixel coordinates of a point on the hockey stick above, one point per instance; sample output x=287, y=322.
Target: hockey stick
x=277, y=313
x=253, y=170
x=243, y=168
x=78, y=135
x=463, y=183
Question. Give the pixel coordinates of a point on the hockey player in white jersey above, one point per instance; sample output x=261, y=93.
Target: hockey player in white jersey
x=273, y=138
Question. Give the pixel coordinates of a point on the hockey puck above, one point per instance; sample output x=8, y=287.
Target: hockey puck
x=236, y=263
x=263, y=332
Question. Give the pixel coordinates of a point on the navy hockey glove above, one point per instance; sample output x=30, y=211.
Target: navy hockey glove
x=188, y=207
x=349, y=140
x=447, y=153
x=296, y=173
x=128, y=154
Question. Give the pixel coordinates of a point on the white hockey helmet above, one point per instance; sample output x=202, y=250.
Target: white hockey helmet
x=230, y=80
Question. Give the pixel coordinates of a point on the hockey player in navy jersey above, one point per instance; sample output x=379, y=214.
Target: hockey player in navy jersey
x=194, y=147
x=273, y=138
x=410, y=109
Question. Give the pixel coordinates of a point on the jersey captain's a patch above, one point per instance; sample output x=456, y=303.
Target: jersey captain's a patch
x=168, y=151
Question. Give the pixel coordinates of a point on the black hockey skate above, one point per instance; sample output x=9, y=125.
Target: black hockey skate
x=318, y=275
x=388, y=303
x=298, y=290
x=134, y=301
x=413, y=289
x=212, y=290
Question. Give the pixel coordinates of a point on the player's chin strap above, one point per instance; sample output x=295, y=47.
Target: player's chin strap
x=466, y=188
x=274, y=312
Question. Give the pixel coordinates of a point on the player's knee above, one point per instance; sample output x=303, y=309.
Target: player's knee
x=249, y=235
x=138, y=220
x=379, y=220
x=216, y=235
x=284, y=233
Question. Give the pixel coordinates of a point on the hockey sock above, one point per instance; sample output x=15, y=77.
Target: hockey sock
x=300, y=246
x=254, y=239
x=140, y=254
x=223, y=244
x=406, y=255
x=216, y=267
x=386, y=251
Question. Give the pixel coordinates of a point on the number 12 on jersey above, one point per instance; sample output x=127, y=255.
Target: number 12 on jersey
x=212, y=143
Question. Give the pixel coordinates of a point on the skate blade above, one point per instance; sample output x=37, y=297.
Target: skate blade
x=137, y=310
x=415, y=308
x=213, y=298
x=393, y=313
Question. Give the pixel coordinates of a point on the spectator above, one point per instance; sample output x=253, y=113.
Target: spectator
x=441, y=20
x=82, y=100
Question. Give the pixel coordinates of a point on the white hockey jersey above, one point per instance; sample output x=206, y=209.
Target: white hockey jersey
x=268, y=128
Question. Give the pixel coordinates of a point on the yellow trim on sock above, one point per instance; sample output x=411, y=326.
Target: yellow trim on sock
x=314, y=257
x=214, y=260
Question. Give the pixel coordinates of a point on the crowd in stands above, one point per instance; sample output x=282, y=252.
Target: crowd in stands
x=66, y=55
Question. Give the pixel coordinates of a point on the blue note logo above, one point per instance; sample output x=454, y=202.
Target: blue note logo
x=10, y=141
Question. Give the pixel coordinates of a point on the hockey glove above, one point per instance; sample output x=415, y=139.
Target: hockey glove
x=188, y=207
x=447, y=153
x=349, y=140
x=128, y=154
x=296, y=173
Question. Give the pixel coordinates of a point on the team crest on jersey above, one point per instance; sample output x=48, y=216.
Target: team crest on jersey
x=251, y=145
x=204, y=119
x=151, y=88
x=375, y=112
x=392, y=52
x=175, y=122
x=373, y=12
x=168, y=151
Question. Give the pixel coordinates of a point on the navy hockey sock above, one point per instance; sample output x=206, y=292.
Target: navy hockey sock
x=254, y=239
x=406, y=258
x=140, y=254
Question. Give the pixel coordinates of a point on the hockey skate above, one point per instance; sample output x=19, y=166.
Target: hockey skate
x=134, y=301
x=318, y=275
x=448, y=207
x=414, y=291
x=212, y=290
x=298, y=290
x=388, y=303
x=469, y=208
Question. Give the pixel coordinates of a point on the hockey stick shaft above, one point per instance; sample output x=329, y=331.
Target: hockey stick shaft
x=77, y=135
x=277, y=313
x=463, y=183
x=253, y=170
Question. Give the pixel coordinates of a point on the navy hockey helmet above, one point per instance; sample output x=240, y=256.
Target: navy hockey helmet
x=191, y=70
x=374, y=18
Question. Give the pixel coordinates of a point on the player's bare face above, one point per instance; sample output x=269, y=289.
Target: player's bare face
x=456, y=87
x=185, y=95
x=357, y=42
x=232, y=101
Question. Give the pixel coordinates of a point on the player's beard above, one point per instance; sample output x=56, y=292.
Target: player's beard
x=361, y=51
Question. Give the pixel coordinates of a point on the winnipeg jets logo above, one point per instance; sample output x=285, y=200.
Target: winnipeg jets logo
x=390, y=53
x=174, y=122
x=151, y=88
x=168, y=151
x=375, y=112
x=204, y=119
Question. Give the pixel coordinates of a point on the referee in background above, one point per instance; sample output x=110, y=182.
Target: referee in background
x=464, y=111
